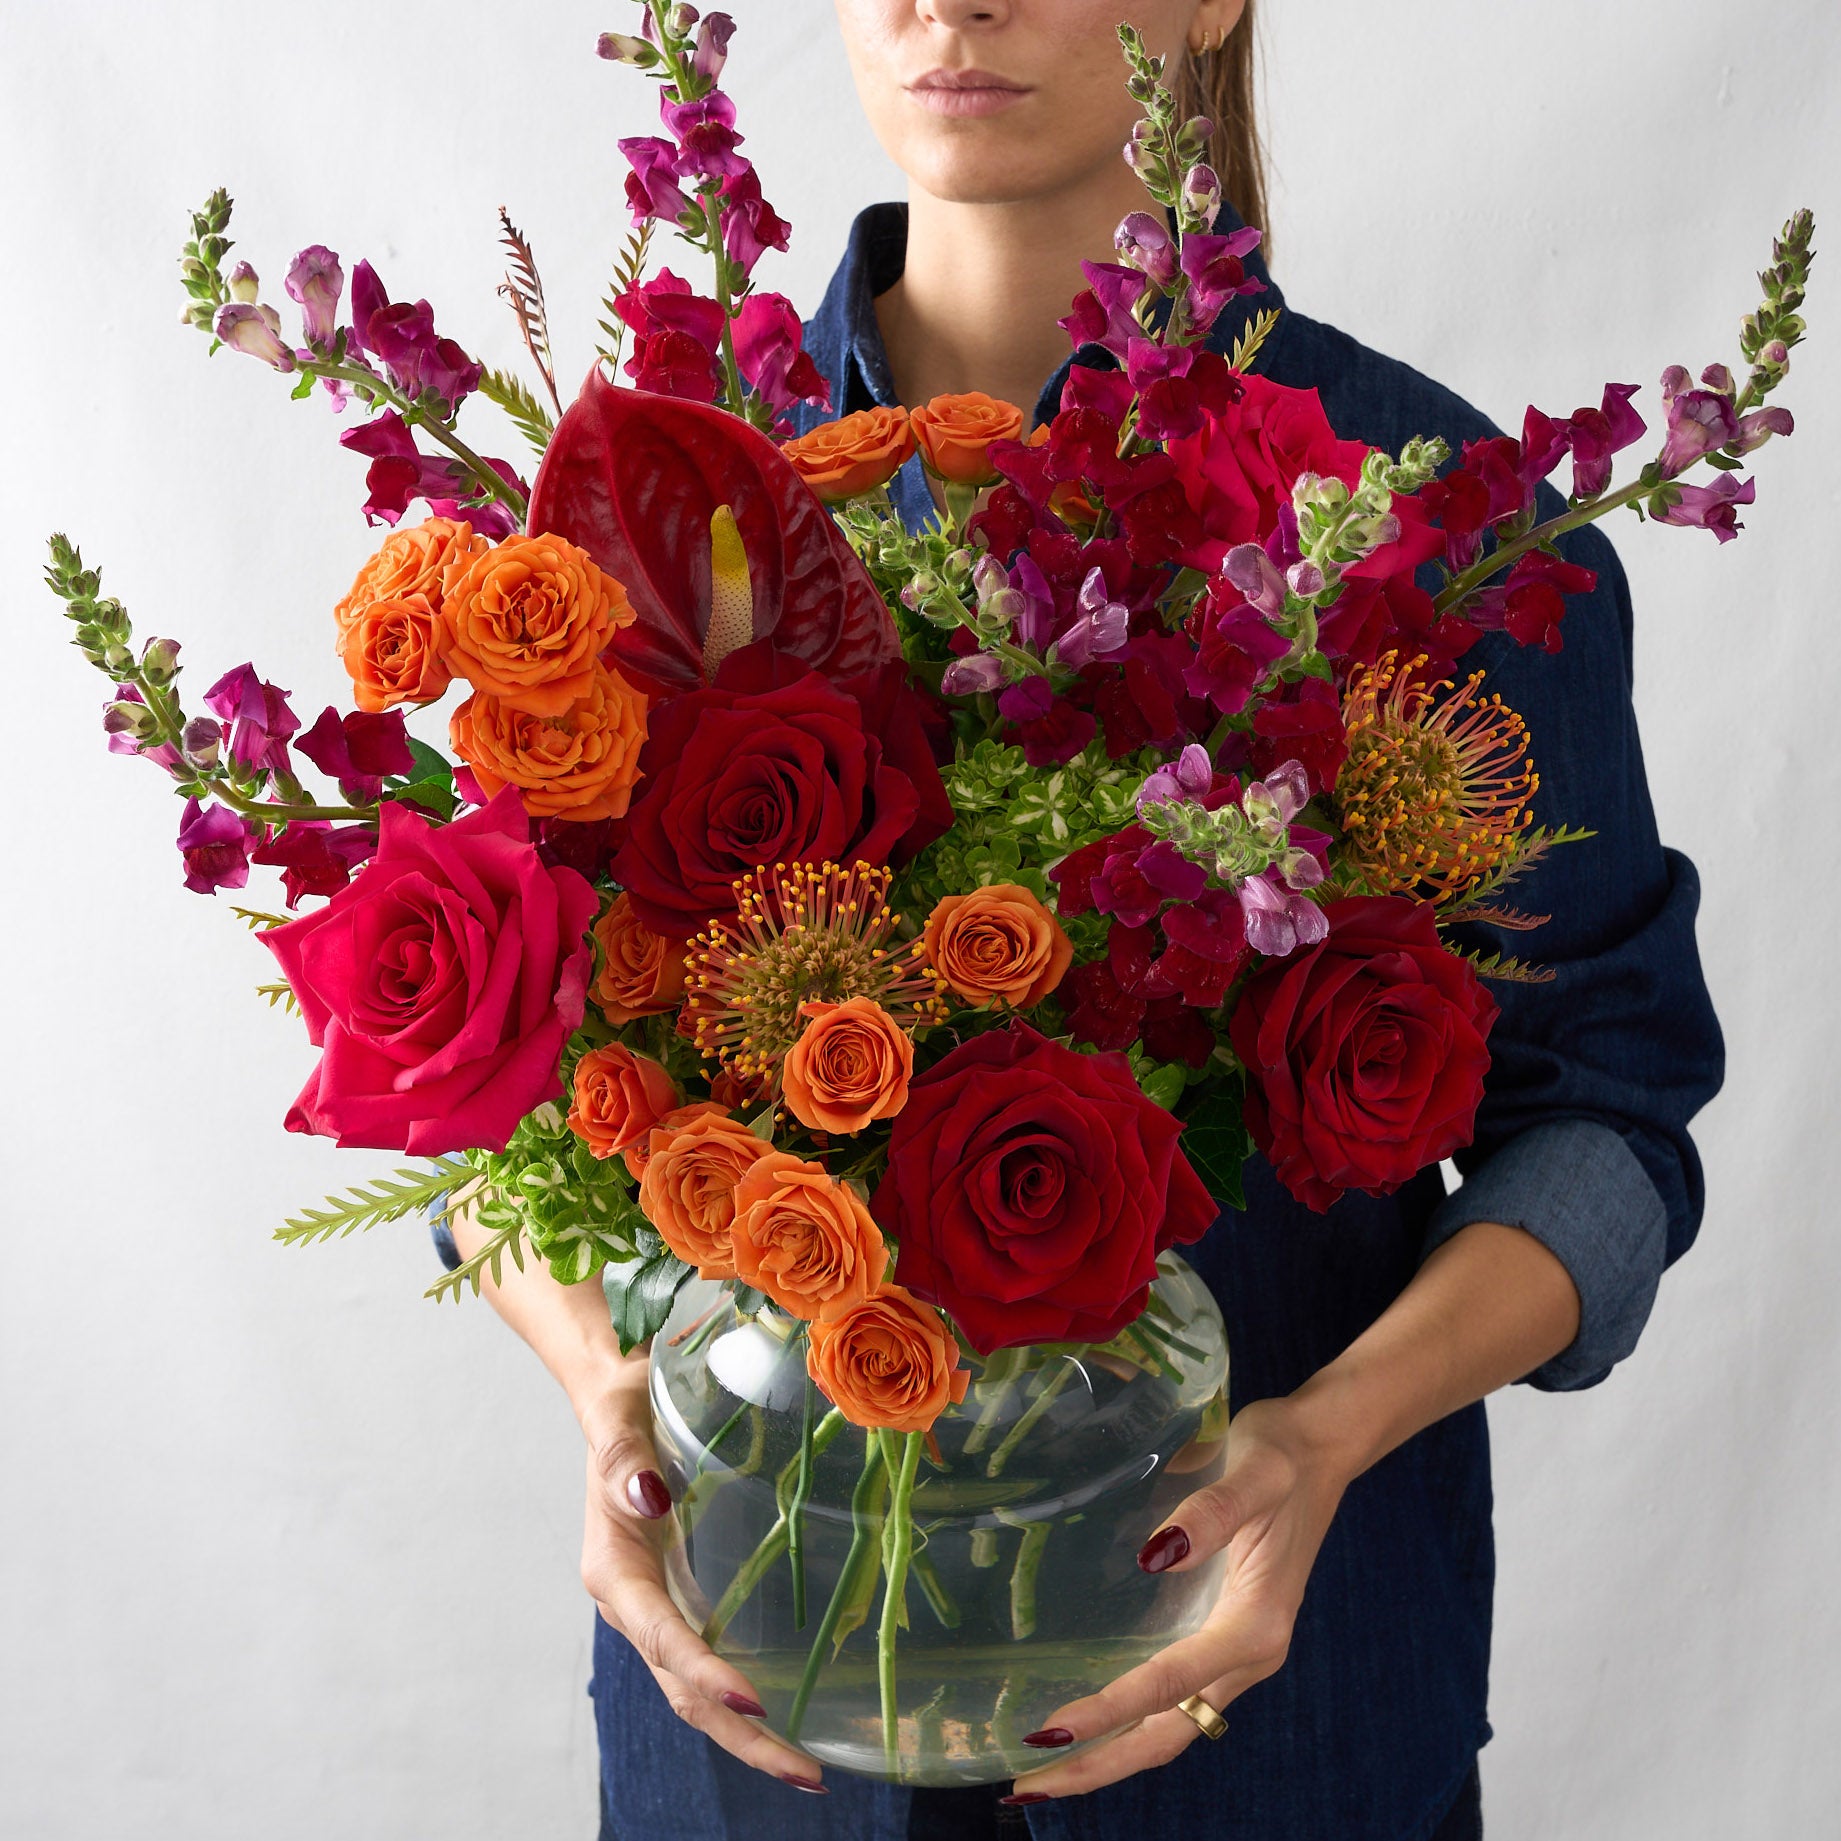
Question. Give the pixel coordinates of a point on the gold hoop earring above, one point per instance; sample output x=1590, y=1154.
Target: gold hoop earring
x=1206, y=46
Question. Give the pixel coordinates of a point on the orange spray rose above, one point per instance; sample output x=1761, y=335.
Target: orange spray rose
x=410, y=562
x=851, y=1064
x=997, y=945
x=688, y=1189
x=393, y=650
x=582, y=764
x=856, y=454
x=638, y=1155
x=527, y=620
x=618, y=1096
x=888, y=1361
x=955, y=432
x=642, y=972
x=803, y=1238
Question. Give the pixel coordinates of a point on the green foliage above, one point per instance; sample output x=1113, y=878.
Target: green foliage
x=641, y=1290
x=280, y=993
x=257, y=920
x=505, y=1225
x=579, y=1211
x=1216, y=1141
x=629, y=266
x=515, y=397
x=1506, y=970
x=365, y=1205
x=1015, y=822
x=429, y=784
x=201, y=269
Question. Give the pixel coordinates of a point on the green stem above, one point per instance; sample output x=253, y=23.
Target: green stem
x=1023, y=1573
x=863, y=1543
x=993, y=1388
x=941, y=1600
x=900, y=1549
x=709, y=1449
x=1045, y=1397
x=774, y=1543
x=1505, y=555
x=363, y=378
x=795, y=1513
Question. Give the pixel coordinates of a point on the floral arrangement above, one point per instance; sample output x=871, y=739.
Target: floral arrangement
x=915, y=932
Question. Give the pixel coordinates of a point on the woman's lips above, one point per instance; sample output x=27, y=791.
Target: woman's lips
x=965, y=92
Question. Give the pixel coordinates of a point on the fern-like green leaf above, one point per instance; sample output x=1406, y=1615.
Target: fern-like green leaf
x=1505, y=970
x=280, y=993
x=523, y=287
x=1246, y=347
x=515, y=397
x=368, y=1204
x=257, y=921
x=507, y=1239
x=628, y=267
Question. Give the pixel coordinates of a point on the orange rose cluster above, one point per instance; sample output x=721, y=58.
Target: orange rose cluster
x=525, y=622
x=860, y=453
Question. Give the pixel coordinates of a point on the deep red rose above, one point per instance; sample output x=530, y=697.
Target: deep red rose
x=774, y=764
x=441, y=984
x=1032, y=1188
x=1242, y=465
x=1365, y=1055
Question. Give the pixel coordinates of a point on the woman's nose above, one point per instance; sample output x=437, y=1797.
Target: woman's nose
x=957, y=15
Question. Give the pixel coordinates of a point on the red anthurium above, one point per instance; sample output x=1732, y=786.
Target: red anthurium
x=634, y=480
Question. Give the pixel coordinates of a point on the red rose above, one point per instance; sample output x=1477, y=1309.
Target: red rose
x=1242, y=465
x=774, y=764
x=1365, y=1055
x=1031, y=1190
x=441, y=984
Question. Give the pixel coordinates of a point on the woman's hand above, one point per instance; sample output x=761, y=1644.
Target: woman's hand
x=1487, y=1307
x=624, y=1575
x=1269, y=1512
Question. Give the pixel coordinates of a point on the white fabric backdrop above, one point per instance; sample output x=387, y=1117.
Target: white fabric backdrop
x=283, y=1548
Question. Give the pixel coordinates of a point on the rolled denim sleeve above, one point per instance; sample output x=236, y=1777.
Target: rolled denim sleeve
x=1578, y=1188
x=1582, y=1135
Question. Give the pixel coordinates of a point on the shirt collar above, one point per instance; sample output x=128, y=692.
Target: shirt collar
x=845, y=339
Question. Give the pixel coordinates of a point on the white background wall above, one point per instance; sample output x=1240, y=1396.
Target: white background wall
x=286, y=1550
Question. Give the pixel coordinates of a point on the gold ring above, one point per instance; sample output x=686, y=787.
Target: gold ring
x=1205, y=1716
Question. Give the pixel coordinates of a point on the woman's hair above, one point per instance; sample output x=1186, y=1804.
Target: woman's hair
x=1221, y=86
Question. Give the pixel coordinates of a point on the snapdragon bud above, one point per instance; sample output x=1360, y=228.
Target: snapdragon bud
x=1202, y=192
x=201, y=741
x=680, y=19
x=255, y=330
x=243, y=283
x=160, y=661
x=1193, y=136
x=134, y=720
x=624, y=48
x=969, y=676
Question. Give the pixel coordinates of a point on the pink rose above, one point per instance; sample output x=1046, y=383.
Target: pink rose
x=441, y=984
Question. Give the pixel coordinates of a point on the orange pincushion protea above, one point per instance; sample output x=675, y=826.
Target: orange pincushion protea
x=801, y=933
x=1434, y=796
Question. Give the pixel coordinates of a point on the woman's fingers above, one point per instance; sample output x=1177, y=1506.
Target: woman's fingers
x=737, y=1735
x=1154, y=1741
x=1243, y=1642
x=622, y=1459
x=1259, y=1477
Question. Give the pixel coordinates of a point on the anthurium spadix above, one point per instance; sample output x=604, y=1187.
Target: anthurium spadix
x=636, y=480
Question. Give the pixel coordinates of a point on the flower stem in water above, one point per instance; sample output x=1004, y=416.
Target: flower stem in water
x=899, y=1549
x=864, y=1541
x=1045, y=1397
x=795, y=1513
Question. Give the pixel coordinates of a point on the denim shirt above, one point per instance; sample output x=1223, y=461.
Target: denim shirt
x=1375, y=1720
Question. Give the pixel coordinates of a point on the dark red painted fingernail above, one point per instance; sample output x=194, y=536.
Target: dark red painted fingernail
x=1163, y=1550
x=804, y=1783
x=1020, y=1797
x=1049, y=1735
x=646, y=1491
x=743, y=1703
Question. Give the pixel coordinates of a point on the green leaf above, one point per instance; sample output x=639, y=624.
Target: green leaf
x=365, y=1205
x=1217, y=1143
x=303, y=389
x=640, y=1294
x=515, y=397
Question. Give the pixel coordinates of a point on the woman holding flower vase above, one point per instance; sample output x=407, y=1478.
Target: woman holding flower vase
x=1349, y=1646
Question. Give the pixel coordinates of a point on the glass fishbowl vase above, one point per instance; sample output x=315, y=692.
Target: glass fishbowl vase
x=920, y=1647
